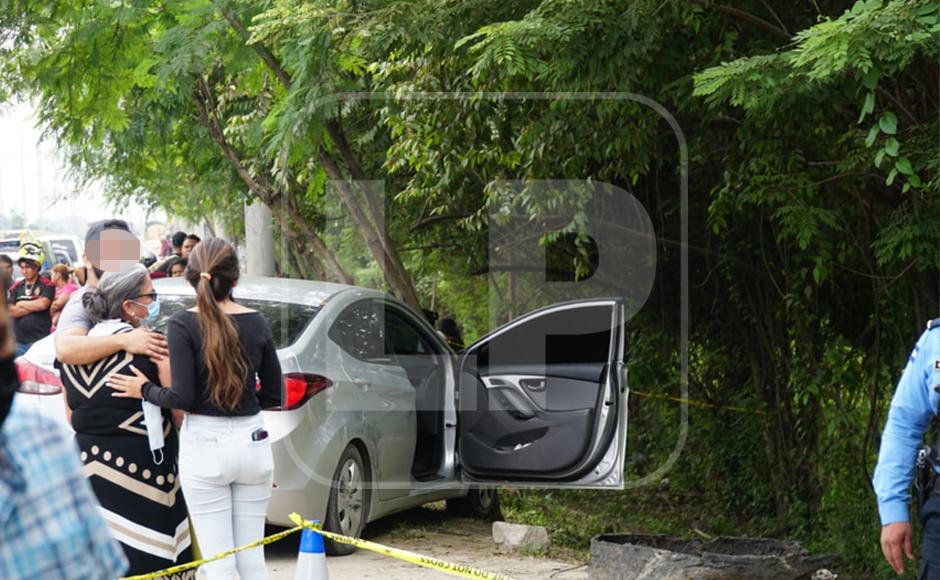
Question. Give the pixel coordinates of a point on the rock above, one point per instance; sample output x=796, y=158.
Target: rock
x=823, y=574
x=643, y=557
x=517, y=536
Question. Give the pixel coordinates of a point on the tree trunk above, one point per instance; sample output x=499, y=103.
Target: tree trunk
x=316, y=242
x=368, y=217
x=373, y=214
x=260, y=187
x=395, y=274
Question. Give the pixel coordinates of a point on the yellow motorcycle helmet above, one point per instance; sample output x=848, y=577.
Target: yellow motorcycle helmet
x=31, y=250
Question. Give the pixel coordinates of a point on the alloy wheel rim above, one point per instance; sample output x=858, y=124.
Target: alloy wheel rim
x=349, y=497
x=485, y=497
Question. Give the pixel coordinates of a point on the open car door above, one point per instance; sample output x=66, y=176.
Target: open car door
x=542, y=400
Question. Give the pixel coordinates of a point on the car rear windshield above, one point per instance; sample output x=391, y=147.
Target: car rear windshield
x=287, y=320
x=66, y=247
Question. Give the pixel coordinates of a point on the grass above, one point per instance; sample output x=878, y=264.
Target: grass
x=574, y=517
x=407, y=531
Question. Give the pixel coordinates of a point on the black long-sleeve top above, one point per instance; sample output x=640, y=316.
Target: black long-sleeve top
x=190, y=375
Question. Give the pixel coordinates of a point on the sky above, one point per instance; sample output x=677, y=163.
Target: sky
x=35, y=183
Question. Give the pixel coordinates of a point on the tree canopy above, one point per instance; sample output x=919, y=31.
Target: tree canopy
x=814, y=214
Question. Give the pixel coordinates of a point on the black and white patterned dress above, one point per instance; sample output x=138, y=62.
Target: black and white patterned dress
x=141, y=500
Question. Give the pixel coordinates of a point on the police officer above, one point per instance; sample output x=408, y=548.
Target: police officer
x=913, y=407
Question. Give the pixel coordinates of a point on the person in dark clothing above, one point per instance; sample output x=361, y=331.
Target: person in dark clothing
x=160, y=266
x=177, y=241
x=226, y=465
x=188, y=244
x=448, y=329
x=31, y=299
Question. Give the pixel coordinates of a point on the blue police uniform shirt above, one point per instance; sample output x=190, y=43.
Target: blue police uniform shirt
x=912, y=408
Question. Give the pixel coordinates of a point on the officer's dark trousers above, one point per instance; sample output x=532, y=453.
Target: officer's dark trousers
x=930, y=547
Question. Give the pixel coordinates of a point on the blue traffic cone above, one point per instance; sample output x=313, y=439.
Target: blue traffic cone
x=311, y=559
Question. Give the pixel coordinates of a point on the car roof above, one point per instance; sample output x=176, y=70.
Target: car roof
x=44, y=238
x=288, y=290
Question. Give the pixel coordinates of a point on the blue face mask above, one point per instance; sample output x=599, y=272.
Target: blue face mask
x=153, y=310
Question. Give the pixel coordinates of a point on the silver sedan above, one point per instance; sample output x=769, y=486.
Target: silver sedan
x=379, y=415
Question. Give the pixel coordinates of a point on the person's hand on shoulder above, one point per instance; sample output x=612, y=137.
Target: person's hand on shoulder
x=146, y=342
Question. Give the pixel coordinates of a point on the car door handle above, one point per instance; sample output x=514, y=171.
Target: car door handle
x=534, y=385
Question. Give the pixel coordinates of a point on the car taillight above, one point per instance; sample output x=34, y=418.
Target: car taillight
x=300, y=387
x=35, y=380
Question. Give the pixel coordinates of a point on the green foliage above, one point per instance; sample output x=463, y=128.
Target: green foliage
x=871, y=43
x=813, y=196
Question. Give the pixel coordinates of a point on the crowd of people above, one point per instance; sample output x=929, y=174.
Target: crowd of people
x=168, y=428
x=36, y=299
x=169, y=438
x=174, y=258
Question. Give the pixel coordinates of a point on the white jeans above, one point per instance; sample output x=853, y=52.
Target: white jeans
x=226, y=479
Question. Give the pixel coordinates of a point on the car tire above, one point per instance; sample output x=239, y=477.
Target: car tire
x=479, y=503
x=348, y=508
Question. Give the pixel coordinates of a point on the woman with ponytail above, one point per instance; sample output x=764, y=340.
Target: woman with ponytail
x=220, y=350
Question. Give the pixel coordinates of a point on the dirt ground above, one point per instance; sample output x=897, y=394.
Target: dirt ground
x=430, y=531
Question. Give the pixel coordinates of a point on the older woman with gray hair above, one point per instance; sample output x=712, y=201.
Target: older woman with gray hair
x=129, y=450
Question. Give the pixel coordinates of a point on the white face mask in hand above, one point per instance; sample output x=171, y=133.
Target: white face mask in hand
x=153, y=418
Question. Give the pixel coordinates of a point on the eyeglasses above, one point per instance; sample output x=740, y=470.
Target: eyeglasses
x=151, y=295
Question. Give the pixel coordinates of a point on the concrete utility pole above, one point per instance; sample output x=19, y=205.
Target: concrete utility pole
x=259, y=240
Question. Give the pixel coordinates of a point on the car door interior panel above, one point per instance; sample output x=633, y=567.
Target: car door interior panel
x=506, y=444
x=532, y=397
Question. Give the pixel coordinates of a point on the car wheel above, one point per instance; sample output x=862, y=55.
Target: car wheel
x=348, y=508
x=480, y=502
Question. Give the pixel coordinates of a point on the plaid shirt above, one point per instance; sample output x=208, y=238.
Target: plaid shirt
x=49, y=521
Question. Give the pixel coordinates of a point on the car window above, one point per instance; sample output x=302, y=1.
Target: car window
x=286, y=320
x=359, y=332
x=66, y=247
x=402, y=337
x=11, y=247
x=558, y=337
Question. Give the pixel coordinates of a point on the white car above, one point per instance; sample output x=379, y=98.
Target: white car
x=380, y=416
x=58, y=248
x=40, y=388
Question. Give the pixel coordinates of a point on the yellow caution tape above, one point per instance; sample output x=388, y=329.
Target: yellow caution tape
x=195, y=564
x=412, y=557
x=700, y=404
x=425, y=561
